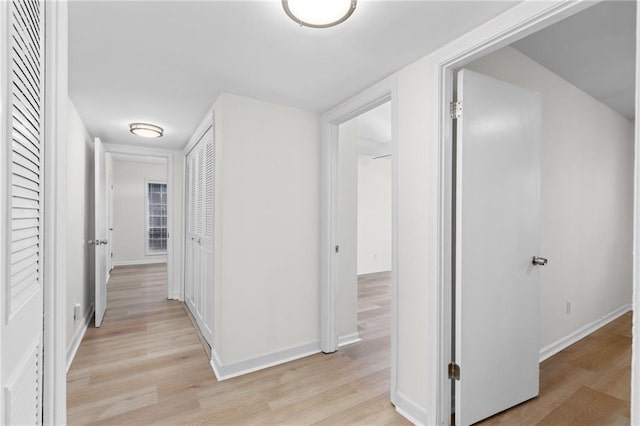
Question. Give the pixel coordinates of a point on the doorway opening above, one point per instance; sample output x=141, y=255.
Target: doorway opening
x=133, y=200
x=359, y=254
x=364, y=227
x=582, y=195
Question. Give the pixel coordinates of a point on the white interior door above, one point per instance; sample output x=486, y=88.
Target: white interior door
x=21, y=196
x=100, y=231
x=497, y=236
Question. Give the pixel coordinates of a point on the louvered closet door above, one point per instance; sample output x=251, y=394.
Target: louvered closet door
x=189, y=274
x=199, y=258
x=197, y=294
x=206, y=248
x=22, y=287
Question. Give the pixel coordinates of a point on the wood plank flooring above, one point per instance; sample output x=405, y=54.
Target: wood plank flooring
x=145, y=365
x=589, y=383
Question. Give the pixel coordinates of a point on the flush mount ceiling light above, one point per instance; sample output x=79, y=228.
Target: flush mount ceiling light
x=146, y=130
x=319, y=13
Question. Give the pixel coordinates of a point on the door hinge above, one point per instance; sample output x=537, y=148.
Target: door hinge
x=454, y=371
x=455, y=110
x=337, y=249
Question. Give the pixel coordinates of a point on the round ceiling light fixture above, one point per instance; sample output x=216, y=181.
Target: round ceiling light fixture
x=319, y=13
x=146, y=130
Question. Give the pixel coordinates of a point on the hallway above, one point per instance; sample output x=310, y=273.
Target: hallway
x=145, y=365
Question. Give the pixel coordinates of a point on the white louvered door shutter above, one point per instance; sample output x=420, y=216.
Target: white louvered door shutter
x=199, y=231
x=207, y=236
x=191, y=275
x=22, y=287
x=199, y=274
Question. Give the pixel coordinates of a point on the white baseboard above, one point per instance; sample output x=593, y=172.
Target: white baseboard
x=410, y=410
x=348, y=339
x=77, y=338
x=138, y=262
x=260, y=362
x=565, y=342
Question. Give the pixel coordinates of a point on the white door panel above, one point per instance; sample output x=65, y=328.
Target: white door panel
x=21, y=214
x=199, y=253
x=497, y=235
x=100, y=242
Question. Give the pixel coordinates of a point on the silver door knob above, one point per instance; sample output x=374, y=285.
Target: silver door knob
x=539, y=261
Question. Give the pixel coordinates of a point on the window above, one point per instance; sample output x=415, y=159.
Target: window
x=156, y=218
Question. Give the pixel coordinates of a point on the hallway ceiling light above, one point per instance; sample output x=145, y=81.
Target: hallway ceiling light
x=146, y=130
x=319, y=13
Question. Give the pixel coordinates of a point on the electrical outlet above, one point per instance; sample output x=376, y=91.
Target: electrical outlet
x=568, y=307
x=76, y=311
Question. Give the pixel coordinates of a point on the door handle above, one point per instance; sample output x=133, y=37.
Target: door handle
x=91, y=242
x=539, y=261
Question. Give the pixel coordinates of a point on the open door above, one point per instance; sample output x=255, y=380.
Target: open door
x=498, y=142
x=100, y=232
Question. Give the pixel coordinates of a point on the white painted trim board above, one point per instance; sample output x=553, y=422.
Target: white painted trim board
x=563, y=343
x=410, y=410
x=228, y=371
x=54, y=389
x=348, y=339
x=74, y=345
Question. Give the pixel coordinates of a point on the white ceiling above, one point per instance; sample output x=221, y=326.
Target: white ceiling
x=594, y=50
x=165, y=62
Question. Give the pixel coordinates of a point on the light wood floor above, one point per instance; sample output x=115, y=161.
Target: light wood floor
x=589, y=383
x=145, y=365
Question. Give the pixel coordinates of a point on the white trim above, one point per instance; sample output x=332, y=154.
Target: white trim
x=148, y=182
x=77, y=338
x=203, y=127
x=140, y=262
x=410, y=410
x=563, y=343
x=384, y=91
x=172, y=225
x=224, y=372
x=348, y=339
x=518, y=22
x=635, y=351
x=54, y=396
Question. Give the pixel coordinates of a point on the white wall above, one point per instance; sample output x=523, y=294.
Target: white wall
x=587, y=197
x=129, y=210
x=79, y=226
x=374, y=214
x=267, y=229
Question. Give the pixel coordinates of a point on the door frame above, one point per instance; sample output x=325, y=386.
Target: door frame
x=174, y=290
x=380, y=93
x=54, y=392
x=517, y=23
